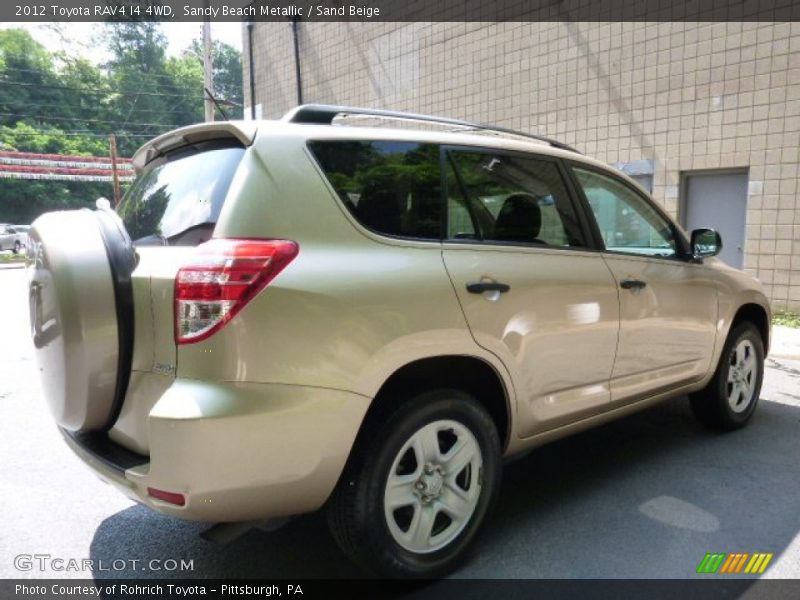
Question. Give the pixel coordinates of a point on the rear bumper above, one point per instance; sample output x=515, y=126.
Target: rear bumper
x=236, y=451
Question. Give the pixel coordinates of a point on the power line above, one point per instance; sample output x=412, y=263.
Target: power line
x=76, y=134
x=77, y=107
x=94, y=92
x=105, y=121
x=61, y=73
x=156, y=86
x=157, y=76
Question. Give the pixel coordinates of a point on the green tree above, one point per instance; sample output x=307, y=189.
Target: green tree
x=186, y=74
x=22, y=200
x=62, y=104
x=227, y=73
x=96, y=108
x=144, y=90
x=28, y=76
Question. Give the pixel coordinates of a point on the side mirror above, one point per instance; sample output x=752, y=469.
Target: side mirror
x=705, y=242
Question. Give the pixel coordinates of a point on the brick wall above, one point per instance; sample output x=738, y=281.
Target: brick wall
x=689, y=96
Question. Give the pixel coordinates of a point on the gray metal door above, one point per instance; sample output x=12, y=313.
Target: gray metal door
x=719, y=200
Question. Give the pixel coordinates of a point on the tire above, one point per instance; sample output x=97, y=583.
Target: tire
x=444, y=509
x=730, y=398
x=17, y=247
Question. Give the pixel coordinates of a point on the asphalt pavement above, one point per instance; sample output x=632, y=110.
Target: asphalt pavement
x=644, y=497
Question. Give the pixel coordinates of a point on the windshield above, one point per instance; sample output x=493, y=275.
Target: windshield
x=176, y=200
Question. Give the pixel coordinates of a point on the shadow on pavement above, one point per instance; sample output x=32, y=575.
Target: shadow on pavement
x=646, y=496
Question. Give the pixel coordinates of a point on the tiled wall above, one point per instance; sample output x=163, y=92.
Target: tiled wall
x=689, y=96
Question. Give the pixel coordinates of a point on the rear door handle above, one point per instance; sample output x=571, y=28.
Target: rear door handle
x=487, y=286
x=632, y=284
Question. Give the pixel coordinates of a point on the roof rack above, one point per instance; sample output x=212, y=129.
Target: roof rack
x=324, y=114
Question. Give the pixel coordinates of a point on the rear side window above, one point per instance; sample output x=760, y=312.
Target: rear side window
x=176, y=200
x=392, y=188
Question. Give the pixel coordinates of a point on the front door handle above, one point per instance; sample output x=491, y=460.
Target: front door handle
x=632, y=284
x=487, y=286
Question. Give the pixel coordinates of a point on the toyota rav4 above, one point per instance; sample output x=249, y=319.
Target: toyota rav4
x=323, y=311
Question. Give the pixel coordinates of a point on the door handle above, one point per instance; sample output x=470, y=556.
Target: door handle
x=632, y=284
x=487, y=286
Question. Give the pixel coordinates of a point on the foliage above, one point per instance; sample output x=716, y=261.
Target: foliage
x=54, y=103
x=786, y=318
x=8, y=257
x=226, y=64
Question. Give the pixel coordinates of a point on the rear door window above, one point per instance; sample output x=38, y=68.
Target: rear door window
x=512, y=200
x=392, y=188
x=176, y=200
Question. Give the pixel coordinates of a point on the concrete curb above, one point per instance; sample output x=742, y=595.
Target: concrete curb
x=785, y=342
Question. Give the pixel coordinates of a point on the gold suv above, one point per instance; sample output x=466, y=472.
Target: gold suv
x=286, y=315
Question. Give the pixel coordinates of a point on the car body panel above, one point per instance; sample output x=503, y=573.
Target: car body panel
x=667, y=329
x=561, y=309
x=280, y=464
x=736, y=290
x=244, y=131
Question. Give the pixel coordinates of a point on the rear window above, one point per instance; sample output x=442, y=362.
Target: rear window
x=176, y=200
x=393, y=188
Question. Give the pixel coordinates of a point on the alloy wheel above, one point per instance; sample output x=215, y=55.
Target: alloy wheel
x=742, y=376
x=433, y=486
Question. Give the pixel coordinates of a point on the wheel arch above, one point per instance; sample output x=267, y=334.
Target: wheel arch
x=463, y=372
x=757, y=315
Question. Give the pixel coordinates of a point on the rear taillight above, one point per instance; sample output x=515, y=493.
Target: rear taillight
x=220, y=279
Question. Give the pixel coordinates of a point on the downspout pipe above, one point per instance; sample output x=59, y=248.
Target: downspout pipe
x=252, y=70
x=295, y=38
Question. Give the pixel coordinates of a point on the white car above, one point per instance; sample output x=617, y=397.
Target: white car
x=13, y=237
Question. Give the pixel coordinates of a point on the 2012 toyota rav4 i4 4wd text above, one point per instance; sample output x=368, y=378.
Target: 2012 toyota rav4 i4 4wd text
x=313, y=312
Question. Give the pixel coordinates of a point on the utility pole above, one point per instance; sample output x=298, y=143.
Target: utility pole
x=114, y=172
x=208, y=68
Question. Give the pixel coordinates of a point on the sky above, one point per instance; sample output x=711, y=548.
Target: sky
x=73, y=37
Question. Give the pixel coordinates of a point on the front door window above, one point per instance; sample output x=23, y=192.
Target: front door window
x=627, y=223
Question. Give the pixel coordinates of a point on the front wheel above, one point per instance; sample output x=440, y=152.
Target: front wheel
x=419, y=489
x=731, y=396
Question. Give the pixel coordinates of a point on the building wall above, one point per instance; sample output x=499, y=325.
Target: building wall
x=688, y=96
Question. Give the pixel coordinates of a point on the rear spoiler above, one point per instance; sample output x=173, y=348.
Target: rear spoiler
x=243, y=131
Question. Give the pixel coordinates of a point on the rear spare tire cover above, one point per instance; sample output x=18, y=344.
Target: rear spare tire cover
x=74, y=307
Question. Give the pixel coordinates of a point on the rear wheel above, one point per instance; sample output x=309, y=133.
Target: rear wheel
x=731, y=396
x=416, y=493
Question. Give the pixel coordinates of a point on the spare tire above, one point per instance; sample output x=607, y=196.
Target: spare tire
x=81, y=309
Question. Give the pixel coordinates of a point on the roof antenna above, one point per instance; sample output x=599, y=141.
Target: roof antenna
x=214, y=100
